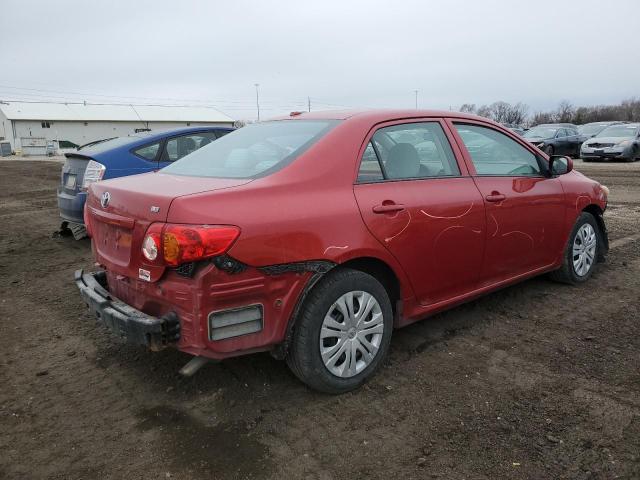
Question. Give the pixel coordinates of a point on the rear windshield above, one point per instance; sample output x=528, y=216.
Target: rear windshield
x=104, y=145
x=619, y=131
x=541, y=132
x=252, y=151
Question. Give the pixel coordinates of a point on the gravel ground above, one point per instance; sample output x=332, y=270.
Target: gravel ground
x=537, y=381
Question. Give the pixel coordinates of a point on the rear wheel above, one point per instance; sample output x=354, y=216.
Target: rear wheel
x=343, y=331
x=581, y=253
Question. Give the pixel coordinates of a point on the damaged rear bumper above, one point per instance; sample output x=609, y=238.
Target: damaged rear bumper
x=123, y=320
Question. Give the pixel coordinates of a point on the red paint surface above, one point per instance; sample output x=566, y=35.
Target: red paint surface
x=447, y=244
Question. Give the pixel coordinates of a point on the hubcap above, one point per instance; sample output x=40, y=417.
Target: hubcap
x=351, y=334
x=584, y=249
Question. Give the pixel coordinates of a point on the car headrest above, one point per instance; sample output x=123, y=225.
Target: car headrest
x=403, y=161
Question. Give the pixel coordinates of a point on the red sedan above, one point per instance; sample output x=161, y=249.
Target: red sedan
x=314, y=236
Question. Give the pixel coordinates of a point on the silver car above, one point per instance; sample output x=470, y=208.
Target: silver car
x=621, y=142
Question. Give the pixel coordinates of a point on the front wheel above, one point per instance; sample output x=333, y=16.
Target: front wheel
x=581, y=253
x=342, y=333
x=548, y=150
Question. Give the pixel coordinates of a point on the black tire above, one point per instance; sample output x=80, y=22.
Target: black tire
x=586, y=160
x=548, y=150
x=304, y=357
x=567, y=273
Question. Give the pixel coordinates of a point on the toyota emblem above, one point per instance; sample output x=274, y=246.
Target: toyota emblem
x=104, y=200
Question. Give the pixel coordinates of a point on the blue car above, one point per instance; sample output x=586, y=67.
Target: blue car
x=119, y=157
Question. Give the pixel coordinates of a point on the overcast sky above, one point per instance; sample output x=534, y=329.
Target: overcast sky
x=338, y=53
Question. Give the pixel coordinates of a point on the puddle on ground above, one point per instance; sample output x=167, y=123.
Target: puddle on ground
x=220, y=451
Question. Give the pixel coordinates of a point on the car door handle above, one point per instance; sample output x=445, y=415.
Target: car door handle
x=495, y=197
x=388, y=207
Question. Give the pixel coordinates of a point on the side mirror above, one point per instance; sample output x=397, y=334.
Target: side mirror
x=559, y=164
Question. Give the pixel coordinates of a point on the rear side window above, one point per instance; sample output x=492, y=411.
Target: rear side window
x=494, y=153
x=148, y=152
x=370, y=170
x=178, y=147
x=252, y=151
x=222, y=133
x=412, y=150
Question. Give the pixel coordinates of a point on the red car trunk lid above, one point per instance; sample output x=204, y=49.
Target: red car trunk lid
x=121, y=210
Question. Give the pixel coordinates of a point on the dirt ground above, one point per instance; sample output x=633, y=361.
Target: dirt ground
x=538, y=381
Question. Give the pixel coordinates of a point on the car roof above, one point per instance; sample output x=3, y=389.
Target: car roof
x=378, y=115
x=156, y=134
x=141, y=138
x=564, y=125
x=625, y=124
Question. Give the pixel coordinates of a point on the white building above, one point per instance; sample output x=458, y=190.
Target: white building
x=29, y=126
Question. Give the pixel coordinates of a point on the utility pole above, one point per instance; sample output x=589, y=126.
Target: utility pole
x=257, y=100
x=416, y=92
x=309, y=103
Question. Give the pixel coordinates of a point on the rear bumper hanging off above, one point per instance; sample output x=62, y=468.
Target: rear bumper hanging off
x=123, y=320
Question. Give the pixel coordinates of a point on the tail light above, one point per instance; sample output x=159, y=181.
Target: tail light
x=175, y=244
x=93, y=173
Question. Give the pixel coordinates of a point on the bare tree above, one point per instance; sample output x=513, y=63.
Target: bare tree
x=484, y=111
x=468, y=108
x=517, y=114
x=627, y=110
x=565, y=112
x=542, y=117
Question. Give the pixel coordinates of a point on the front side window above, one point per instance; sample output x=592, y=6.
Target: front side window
x=412, y=150
x=494, y=153
x=148, y=152
x=178, y=147
x=252, y=151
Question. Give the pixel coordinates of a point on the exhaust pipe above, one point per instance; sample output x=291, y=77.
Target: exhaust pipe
x=193, y=365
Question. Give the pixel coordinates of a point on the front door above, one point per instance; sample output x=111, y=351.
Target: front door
x=423, y=207
x=525, y=208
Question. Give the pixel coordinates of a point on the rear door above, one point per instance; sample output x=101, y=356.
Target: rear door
x=181, y=145
x=421, y=204
x=525, y=208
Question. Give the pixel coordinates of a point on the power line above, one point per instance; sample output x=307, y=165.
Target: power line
x=227, y=103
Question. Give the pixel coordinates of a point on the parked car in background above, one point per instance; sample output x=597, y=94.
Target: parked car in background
x=314, y=236
x=589, y=130
x=620, y=142
x=119, y=157
x=516, y=128
x=556, y=138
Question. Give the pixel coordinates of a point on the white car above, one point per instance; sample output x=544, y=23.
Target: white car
x=620, y=142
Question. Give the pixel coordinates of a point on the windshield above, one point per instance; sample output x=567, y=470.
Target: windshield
x=540, y=132
x=252, y=151
x=590, y=129
x=619, y=131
